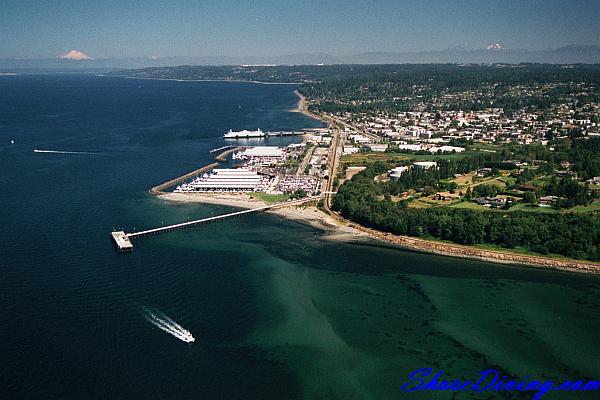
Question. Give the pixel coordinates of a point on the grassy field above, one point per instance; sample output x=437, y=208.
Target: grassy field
x=508, y=181
x=465, y=179
x=594, y=207
x=368, y=158
x=469, y=205
x=371, y=157
x=487, y=147
x=517, y=207
x=432, y=157
x=418, y=204
x=269, y=198
x=492, y=181
x=530, y=208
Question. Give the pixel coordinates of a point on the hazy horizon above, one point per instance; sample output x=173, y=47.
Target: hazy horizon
x=264, y=28
x=66, y=55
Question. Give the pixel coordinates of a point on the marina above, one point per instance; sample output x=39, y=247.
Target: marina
x=227, y=180
x=268, y=169
x=221, y=158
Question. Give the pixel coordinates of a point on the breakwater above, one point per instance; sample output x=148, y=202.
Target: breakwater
x=219, y=159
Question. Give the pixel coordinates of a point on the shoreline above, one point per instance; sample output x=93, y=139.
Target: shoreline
x=200, y=80
x=306, y=214
x=338, y=229
x=473, y=253
x=301, y=107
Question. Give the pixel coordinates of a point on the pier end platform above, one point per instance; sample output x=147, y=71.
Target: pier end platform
x=122, y=241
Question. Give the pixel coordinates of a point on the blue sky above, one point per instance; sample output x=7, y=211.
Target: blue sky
x=102, y=29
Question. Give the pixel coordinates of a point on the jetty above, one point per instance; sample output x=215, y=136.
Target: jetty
x=222, y=148
x=122, y=240
x=219, y=159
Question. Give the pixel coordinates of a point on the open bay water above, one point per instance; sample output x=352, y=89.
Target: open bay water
x=277, y=312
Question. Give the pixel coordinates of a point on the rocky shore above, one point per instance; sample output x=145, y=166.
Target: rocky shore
x=470, y=252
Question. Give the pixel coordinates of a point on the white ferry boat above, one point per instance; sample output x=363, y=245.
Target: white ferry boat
x=244, y=134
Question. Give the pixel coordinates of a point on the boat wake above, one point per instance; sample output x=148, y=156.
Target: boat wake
x=62, y=152
x=161, y=321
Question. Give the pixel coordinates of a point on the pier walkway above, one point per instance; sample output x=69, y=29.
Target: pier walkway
x=123, y=240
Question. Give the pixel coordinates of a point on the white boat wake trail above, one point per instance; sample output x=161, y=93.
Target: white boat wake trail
x=161, y=321
x=62, y=152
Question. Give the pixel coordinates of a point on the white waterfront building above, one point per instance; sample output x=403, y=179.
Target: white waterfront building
x=262, y=155
x=227, y=180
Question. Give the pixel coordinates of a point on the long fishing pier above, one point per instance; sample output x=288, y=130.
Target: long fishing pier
x=123, y=241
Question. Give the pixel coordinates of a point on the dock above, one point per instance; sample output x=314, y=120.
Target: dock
x=261, y=135
x=123, y=240
x=285, y=133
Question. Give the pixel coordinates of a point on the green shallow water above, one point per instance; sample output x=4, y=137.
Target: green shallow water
x=359, y=335
x=352, y=321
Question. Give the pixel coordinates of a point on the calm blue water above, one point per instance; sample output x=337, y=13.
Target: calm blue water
x=277, y=312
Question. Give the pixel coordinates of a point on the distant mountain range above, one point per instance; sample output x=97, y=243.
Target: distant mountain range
x=492, y=54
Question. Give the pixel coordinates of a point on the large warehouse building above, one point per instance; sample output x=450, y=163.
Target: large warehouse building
x=226, y=180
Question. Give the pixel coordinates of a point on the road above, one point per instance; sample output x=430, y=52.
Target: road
x=336, y=121
x=333, y=158
x=305, y=161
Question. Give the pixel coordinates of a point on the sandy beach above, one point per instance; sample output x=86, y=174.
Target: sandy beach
x=302, y=107
x=306, y=214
